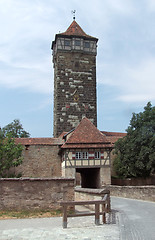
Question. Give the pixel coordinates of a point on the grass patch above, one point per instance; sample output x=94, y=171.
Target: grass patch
x=30, y=214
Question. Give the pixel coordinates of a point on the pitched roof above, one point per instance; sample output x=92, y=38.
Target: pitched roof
x=75, y=30
x=86, y=135
x=39, y=141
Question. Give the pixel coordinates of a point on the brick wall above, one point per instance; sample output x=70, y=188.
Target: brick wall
x=40, y=161
x=34, y=193
x=135, y=192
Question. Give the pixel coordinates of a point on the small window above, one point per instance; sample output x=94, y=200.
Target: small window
x=87, y=44
x=81, y=155
x=97, y=155
x=85, y=155
x=27, y=147
x=77, y=43
x=67, y=43
x=78, y=155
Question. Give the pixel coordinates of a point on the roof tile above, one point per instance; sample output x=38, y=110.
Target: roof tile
x=86, y=135
x=75, y=30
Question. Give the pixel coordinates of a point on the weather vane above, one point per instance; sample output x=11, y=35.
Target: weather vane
x=73, y=12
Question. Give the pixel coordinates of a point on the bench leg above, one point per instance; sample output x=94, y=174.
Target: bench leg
x=64, y=217
x=97, y=214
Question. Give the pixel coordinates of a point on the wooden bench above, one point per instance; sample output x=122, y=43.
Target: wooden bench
x=104, y=203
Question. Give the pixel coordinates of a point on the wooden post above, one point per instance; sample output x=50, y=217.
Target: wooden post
x=97, y=213
x=103, y=216
x=105, y=203
x=108, y=204
x=64, y=216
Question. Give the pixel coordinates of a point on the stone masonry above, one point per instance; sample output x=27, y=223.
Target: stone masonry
x=74, y=80
x=40, y=161
x=75, y=90
x=35, y=193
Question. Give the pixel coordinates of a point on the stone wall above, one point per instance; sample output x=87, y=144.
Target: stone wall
x=90, y=194
x=135, y=192
x=34, y=193
x=133, y=181
x=105, y=176
x=40, y=161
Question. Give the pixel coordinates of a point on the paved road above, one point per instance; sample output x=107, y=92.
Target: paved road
x=136, y=218
x=51, y=229
x=130, y=220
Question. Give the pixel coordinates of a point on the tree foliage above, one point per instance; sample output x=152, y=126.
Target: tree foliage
x=135, y=153
x=10, y=155
x=15, y=130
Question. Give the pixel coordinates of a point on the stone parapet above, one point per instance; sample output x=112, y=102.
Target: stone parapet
x=90, y=194
x=35, y=193
x=136, y=192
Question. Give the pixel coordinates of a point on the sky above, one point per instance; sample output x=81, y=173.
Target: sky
x=125, y=59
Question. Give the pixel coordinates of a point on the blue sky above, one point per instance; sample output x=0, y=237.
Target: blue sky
x=125, y=59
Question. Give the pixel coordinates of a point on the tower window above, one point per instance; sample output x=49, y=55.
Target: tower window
x=77, y=43
x=87, y=44
x=67, y=42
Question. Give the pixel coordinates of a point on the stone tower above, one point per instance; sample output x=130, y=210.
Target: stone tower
x=74, y=58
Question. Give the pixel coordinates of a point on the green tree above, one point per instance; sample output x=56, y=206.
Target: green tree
x=135, y=153
x=10, y=155
x=15, y=130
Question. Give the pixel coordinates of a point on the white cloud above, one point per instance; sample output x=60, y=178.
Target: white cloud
x=30, y=26
x=121, y=6
x=135, y=82
x=141, y=82
x=150, y=4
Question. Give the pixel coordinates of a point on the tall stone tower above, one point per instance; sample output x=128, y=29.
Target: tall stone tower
x=74, y=58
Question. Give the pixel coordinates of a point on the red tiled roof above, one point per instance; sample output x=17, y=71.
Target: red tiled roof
x=113, y=136
x=86, y=134
x=75, y=30
x=116, y=134
x=113, y=139
x=90, y=145
x=62, y=134
x=39, y=141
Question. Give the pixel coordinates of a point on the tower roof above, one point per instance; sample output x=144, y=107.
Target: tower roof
x=74, y=30
x=86, y=135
